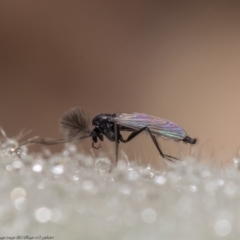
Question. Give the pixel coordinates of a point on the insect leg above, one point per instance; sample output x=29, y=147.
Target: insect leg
x=93, y=145
x=170, y=158
x=134, y=134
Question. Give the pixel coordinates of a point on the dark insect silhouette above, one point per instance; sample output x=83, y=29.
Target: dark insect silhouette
x=76, y=126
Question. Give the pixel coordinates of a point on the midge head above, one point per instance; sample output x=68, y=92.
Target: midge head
x=103, y=126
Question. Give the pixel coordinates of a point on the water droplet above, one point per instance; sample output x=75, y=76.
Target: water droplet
x=236, y=163
x=18, y=193
x=37, y=167
x=220, y=182
x=75, y=178
x=148, y=173
x=20, y=204
x=87, y=161
x=58, y=169
x=103, y=165
x=160, y=180
x=69, y=150
x=193, y=188
x=66, y=153
x=149, y=215
x=222, y=227
x=43, y=214
x=9, y=167
x=17, y=164
x=133, y=175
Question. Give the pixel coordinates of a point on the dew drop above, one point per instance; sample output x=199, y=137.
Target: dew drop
x=149, y=215
x=18, y=193
x=103, y=165
x=222, y=227
x=58, y=169
x=160, y=180
x=43, y=214
x=17, y=164
x=37, y=167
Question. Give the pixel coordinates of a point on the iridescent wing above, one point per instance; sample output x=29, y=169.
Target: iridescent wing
x=158, y=126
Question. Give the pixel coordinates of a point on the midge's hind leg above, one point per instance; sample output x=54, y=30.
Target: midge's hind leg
x=168, y=157
x=134, y=134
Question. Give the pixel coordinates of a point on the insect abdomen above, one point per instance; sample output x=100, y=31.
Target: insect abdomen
x=187, y=139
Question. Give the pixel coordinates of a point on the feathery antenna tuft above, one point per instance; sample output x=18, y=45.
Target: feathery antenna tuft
x=75, y=125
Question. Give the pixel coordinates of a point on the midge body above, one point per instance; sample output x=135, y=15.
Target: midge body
x=111, y=126
x=75, y=126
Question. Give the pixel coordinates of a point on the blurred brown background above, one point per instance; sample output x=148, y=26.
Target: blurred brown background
x=173, y=59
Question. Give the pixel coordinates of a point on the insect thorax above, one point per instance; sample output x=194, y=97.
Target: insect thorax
x=104, y=125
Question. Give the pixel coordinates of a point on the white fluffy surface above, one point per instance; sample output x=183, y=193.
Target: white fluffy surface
x=73, y=196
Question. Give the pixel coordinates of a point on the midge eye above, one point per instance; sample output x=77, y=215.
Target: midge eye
x=75, y=126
